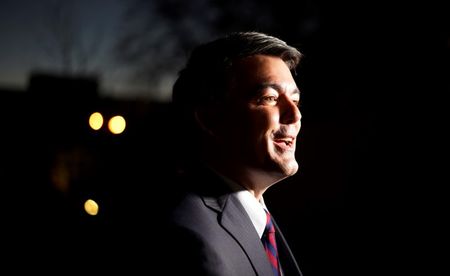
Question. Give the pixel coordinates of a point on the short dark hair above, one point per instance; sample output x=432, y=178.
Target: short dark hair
x=204, y=78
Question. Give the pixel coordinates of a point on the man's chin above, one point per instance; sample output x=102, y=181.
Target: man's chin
x=288, y=168
x=291, y=169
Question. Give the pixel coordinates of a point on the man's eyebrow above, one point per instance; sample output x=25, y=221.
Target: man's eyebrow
x=276, y=87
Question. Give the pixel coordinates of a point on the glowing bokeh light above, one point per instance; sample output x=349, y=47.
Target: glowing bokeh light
x=96, y=120
x=117, y=124
x=91, y=207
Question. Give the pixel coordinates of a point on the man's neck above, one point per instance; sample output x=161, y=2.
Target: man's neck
x=255, y=181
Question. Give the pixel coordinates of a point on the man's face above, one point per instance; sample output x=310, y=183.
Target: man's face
x=263, y=118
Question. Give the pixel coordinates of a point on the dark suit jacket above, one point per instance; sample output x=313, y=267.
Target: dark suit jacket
x=210, y=233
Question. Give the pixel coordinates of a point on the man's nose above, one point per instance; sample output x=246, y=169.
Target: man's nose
x=290, y=112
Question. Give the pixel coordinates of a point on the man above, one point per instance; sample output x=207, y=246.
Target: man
x=238, y=108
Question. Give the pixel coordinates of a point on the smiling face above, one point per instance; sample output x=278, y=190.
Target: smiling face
x=263, y=119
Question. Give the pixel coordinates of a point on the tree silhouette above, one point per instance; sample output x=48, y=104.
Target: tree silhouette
x=158, y=35
x=68, y=41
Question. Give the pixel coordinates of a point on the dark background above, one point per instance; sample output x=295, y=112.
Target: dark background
x=368, y=192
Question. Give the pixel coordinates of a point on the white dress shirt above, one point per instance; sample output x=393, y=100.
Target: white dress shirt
x=253, y=207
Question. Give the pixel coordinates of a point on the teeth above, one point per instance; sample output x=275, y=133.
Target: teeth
x=287, y=142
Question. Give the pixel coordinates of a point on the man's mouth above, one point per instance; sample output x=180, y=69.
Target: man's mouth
x=288, y=141
x=285, y=142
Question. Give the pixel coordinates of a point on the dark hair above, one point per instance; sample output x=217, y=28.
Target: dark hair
x=204, y=80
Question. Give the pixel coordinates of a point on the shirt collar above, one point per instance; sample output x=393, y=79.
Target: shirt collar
x=253, y=207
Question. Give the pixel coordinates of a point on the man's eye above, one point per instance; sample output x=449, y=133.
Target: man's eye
x=268, y=100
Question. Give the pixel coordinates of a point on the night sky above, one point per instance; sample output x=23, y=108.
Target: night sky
x=27, y=43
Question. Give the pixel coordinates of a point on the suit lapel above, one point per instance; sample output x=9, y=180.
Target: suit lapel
x=235, y=220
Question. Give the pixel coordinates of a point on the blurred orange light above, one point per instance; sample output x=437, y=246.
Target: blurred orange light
x=117, y=124
x=91, y=207
x=96, y=120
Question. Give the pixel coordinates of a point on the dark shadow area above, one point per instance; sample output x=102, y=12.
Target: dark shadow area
x=52, y=162
x=366, y=200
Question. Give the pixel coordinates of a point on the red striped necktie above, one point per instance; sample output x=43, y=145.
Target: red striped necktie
x=270, y=245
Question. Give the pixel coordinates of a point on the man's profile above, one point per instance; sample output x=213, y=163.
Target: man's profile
x=238, y=118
